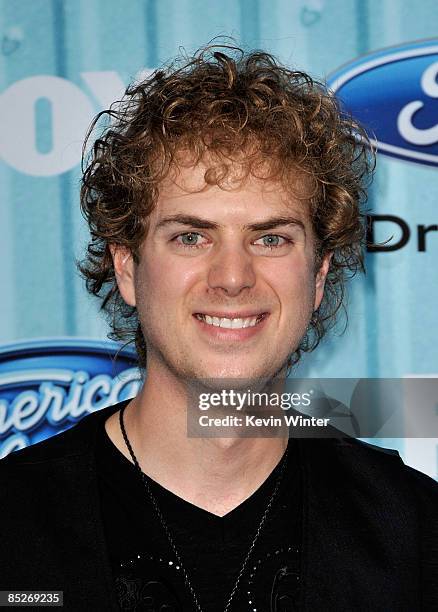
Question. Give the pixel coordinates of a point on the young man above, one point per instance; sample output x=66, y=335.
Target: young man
x=223, y=202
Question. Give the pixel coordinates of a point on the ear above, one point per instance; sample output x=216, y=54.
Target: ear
x=124, y=270
x=320, y=280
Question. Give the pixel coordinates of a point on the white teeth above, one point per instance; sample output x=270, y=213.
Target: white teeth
x=229, y=323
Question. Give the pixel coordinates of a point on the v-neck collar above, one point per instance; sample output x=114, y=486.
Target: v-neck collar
x=120, y=469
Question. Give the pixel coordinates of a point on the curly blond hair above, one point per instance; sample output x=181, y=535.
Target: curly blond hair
x=234, y=106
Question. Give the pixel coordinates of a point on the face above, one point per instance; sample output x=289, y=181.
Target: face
x=226, y=281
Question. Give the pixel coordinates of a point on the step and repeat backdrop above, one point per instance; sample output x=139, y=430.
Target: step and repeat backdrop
x=62, y=61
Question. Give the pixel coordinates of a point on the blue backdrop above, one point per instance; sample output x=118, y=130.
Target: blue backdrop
x=64, y=60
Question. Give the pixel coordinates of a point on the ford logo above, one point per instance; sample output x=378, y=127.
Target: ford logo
x=393, y=94
x=47, y=386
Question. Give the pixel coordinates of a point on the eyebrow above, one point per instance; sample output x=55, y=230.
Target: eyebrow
x=198, y=222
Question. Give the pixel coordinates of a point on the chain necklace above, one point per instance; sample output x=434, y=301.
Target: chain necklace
x=163, y=522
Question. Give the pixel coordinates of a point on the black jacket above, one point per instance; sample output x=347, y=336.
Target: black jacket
x=370, y=532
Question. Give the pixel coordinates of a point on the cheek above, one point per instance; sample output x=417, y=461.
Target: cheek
x=162, y=283
x=294, y=284
x=298, y=306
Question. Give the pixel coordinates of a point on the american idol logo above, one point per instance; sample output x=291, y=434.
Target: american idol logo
x=47, y=386
x=394, y=94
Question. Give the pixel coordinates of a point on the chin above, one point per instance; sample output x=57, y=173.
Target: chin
x=238, y=372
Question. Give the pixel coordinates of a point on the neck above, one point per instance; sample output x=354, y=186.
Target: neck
x=216, y=474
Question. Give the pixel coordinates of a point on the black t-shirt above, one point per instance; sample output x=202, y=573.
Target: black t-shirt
x=146, y=573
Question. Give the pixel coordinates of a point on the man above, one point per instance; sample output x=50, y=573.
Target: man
x=224, y=206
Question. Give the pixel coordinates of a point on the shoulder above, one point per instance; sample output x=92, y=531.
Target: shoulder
x=44, y=478
x=378, y=455
x=423, y=486
x=76, y=441
x=351, y=464
x=387, y=458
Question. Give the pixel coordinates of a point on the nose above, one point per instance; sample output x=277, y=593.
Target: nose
x=231, y=270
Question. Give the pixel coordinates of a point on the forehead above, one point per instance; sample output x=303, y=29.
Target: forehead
x=230, y=187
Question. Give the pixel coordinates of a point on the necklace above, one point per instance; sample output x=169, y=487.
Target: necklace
x=165, y=526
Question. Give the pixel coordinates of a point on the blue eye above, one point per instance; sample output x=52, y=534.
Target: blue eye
x=189, y=240
x=272, y=241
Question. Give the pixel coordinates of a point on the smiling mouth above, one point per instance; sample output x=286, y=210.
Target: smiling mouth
x=234, y=323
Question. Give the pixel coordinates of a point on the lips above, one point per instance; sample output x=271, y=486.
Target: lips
x=244, y=314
